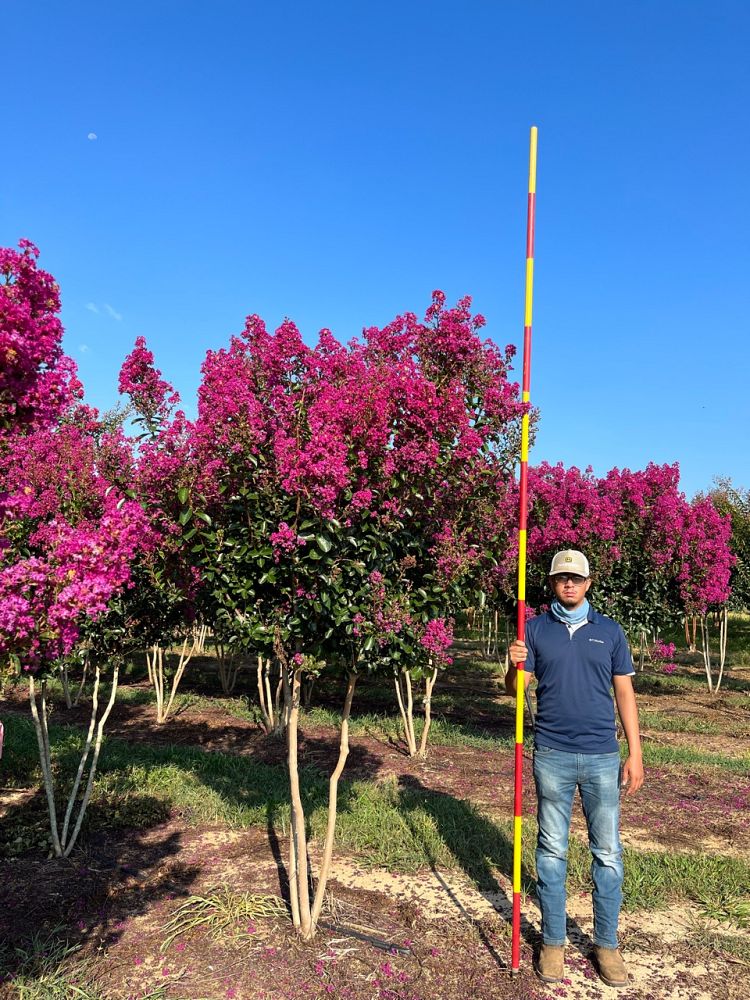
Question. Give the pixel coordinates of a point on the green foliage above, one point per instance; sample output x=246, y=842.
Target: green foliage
x=735, y=502
x=48, y=968
x=677, y=723
x=219, y=911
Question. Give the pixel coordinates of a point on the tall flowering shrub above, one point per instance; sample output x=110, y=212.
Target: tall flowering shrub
x=37, y=381
x=655, y=555
x=734, y=503
x=164, y=608
x=69, y=536
x=333, y=495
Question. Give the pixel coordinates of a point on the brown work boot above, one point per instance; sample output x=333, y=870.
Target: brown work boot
x=549, y=963
x=610, y=966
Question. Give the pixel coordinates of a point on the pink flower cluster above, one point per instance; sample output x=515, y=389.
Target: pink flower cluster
x=662, y=652
x=406, y=435
x=43, y=598
x=339, y=426
x=389, y=614
x=37, y=381
x=638, y=517
x=285, y=540
x=152, y=397
x=438, y=638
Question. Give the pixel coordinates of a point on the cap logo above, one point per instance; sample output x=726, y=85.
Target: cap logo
x=568, y=559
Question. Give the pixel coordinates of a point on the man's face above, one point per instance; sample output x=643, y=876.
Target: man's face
x=570, y=589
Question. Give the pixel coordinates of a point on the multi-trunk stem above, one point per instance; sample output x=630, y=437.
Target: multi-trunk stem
x=306, y=909
x=155, y=665
x=405, y=698
x=64, y=840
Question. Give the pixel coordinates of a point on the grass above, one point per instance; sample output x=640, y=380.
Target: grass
x=236, y=708
x=711, y=942
x=219, y=911
x=682, y=757
x=45, y=969
x=652, y=683
x=654, y=878
x=739, y=701
x=402, y=826
x=388, y=727
x=678, y=723
x=731, y=909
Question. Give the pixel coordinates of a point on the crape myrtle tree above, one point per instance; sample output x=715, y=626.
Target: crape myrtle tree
x=704, y=561
x=331, y=480
x=734, y=502
x=159, y=477
x=655, y=555
x=68, y=535
x=620, y=522
x=456, y=417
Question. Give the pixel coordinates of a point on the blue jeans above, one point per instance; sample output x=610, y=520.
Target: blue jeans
x=557, y=774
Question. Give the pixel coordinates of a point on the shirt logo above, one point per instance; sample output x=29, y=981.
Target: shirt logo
x=597, y=640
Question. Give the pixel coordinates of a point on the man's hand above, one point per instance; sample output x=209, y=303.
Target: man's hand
x=517, y=652
x=632, y=775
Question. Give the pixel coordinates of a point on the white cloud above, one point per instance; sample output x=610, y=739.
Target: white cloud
x=92, y=307
x=113, y=312
x=92, y=136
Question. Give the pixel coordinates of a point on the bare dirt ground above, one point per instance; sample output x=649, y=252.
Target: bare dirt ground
x=385, y=936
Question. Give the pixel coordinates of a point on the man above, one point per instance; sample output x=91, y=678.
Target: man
x=578, y=656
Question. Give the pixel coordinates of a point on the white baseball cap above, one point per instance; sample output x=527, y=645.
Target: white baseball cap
x=570, y=561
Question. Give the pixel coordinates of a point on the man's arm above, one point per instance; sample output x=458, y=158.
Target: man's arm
x=632, y=772
x=518, y=653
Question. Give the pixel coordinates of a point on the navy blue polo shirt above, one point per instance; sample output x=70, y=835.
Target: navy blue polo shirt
x=575, y=708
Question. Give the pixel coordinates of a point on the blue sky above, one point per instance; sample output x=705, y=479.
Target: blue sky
x=335, y=162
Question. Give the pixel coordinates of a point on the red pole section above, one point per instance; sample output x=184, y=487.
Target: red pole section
x=523, y=503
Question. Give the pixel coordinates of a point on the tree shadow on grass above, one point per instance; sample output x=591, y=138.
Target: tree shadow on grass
x=479, y=846
x=48, y=905
x=243, y=792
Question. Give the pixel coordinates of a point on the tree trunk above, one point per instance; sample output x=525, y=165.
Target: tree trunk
x=706, y=650
x=83, y=679
x=429, y=684
x=45, y=760
x=406, y=708
x=229, y=667
x=155, y=664
x=325, y=865
x=185, y=658
x=280, y=704
x=264, y=695
x=691, y=627
x=62, y=845
x=298, y=858
x=304, y=915
x=66, y=685
x=95, y=760
x=723, y=632
x=308, y=686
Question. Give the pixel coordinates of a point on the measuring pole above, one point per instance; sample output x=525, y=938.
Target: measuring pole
x=522, y=519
